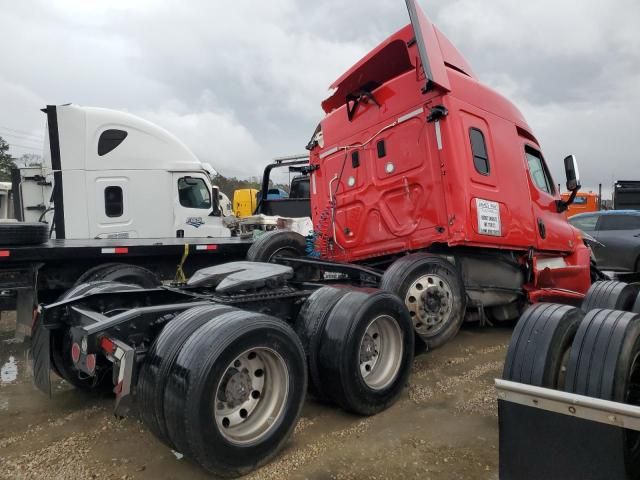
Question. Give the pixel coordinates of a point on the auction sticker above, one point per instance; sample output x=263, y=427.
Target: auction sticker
x=488, y=217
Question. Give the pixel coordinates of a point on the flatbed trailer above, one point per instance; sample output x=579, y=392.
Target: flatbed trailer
x=32, y=274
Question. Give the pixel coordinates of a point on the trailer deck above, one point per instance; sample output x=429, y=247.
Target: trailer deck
x=66, y=249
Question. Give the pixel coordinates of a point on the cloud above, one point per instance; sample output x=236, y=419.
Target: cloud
x=214, y=137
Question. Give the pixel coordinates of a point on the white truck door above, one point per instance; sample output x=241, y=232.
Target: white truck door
x=110, y=207
x=193, y=211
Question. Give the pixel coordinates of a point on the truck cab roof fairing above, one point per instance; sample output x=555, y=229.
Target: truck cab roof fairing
x=395, y=56
x=428, y=47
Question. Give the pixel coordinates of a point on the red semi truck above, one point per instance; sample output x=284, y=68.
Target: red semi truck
x=431, y=202
x=416, y=154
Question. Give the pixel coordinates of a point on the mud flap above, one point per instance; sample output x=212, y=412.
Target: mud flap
x=40, y=354
x=536, y=444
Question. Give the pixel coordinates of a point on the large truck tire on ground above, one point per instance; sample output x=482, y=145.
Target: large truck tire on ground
x=431, y=202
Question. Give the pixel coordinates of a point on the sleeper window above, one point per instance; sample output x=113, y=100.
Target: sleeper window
x=479, y=151
x=113, y=202
x=110, y=139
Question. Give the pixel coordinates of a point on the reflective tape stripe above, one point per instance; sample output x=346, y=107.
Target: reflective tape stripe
x=4, y=253
x=410, y=115
x=116, y=250
x=438, y=135
x=331, y=151
x=206, y=247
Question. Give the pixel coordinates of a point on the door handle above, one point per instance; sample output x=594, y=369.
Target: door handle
x=542, y=229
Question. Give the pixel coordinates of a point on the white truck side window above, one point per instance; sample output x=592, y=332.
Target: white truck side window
x=113, y=201
x=193, y=193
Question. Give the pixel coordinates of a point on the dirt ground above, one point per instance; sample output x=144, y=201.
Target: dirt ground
x=443, y=427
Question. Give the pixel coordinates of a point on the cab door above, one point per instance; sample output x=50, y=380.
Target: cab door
x=553, y=231
x=193, y=212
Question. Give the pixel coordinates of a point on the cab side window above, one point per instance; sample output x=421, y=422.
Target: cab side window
x=113, y=202
x=193, y=193
x=538, y=170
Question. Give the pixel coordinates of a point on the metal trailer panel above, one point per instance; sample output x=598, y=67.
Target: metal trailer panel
x=549, y=434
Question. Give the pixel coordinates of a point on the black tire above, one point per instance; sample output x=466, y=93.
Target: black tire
x=347, y=346
x=309, y=327
x=610, y=294
x=203, y=363
x=405, y=275
x=277, y=243
x=22, y=233
x=159, y=361
x=121, y=272
x=604, y=362
x=539, y=348
x=88, y=275
x=636, y=305
x=61, y=343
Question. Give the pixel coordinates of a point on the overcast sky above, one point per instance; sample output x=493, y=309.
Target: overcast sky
x=241, y=81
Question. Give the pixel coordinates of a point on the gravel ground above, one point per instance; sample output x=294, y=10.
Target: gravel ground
x=443, y=427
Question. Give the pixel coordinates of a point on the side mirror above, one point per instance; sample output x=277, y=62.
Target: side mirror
x=215, y=202
x=573, y=182
x=572, y=173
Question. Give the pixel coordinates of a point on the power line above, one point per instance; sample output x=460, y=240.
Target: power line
x=17, y=130
x=28, y=147
x=31, y=138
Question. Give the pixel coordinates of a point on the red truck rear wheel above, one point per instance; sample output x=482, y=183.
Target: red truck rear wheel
x=433, y=292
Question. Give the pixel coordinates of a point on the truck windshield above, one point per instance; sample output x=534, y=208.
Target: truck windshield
x=193, y=193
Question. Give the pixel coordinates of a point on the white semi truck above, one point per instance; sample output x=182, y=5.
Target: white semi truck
x=115, y=192
x=124, y=177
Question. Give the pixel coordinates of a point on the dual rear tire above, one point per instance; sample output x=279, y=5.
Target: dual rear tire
x=224, y=387
x=359, y=346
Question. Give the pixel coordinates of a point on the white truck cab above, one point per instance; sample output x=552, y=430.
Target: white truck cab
x=115, y=175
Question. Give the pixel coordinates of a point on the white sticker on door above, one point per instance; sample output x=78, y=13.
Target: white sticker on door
x=488, y=217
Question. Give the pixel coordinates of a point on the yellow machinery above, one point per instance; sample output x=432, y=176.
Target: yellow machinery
x=244, y=202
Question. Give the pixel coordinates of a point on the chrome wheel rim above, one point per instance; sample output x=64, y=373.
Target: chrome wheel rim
x=381, y=350
x=251, y=395
x=430, y=303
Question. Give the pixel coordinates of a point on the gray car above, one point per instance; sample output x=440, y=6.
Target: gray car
x=619, y=233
